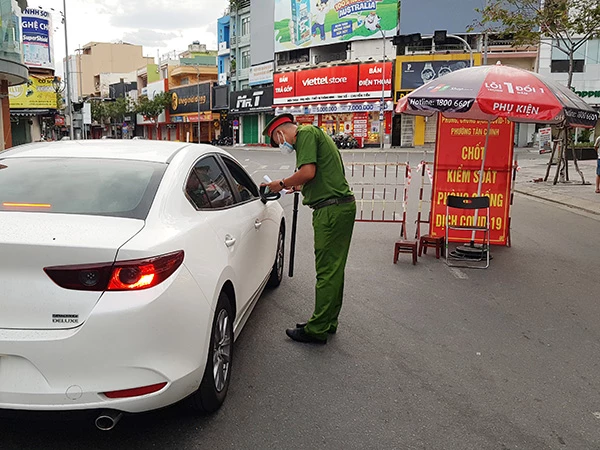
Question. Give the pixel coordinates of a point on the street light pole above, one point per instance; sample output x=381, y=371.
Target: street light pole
x=382, y=104
x=69, y=105
x=466, y=45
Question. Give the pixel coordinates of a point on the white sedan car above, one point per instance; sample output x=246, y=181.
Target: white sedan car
x=127, y=269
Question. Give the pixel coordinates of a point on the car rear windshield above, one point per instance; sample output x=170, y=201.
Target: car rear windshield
x=103, y=187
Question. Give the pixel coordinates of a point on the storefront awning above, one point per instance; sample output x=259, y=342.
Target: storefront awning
x=32, y=112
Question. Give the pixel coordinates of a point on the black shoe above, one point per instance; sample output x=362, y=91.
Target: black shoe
x=302, y=325
x=299, y=335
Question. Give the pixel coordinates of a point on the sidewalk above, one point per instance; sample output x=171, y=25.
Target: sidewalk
x=573, y=194
x=532, y=167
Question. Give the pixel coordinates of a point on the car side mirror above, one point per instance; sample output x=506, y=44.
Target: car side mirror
x=266, y=195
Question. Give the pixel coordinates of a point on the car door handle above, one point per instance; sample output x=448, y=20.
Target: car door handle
x=229, y=241
x=257, y=224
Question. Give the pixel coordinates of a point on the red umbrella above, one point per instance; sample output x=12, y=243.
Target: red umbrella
x=489, y=92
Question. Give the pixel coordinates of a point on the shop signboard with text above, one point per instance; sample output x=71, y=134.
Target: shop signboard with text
x=261, y=74
x=458, y=155
x=414, y=71
x=251, y=101
x=308, y=23
x=36, y=26
x=190, y=99
x=338, y=83
x=37, y=93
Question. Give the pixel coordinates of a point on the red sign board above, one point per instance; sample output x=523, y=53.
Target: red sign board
x=458, y=156
x=337, y=83
x=284, y=85
x=328, y=80
x=370, y=76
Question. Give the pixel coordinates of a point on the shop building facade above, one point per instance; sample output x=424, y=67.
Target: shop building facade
x=191, y=113
x=252, y=108
x=343, y=98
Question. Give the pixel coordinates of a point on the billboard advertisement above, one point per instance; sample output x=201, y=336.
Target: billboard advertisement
x=413, y=72
x=37, y=93
x=337, y=83
x=309, y=23
x=36, y=26
x=457, y=172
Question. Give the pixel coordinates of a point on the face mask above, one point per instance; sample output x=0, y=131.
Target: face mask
x=285, y=147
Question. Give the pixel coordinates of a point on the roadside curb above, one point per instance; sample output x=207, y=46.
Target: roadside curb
x=569, y=205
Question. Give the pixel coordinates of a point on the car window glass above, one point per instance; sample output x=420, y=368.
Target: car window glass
x=243, y=183
x=89, y=186
x=207, y=186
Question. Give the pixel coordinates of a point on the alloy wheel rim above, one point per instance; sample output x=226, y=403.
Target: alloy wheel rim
x=222, y=350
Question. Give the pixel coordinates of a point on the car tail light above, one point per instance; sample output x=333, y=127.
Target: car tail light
x=118, y=276
x=135, y=392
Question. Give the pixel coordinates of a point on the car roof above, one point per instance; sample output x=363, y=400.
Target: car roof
x=126, y=149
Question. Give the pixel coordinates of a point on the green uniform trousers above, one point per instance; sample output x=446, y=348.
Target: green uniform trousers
x=332, y=227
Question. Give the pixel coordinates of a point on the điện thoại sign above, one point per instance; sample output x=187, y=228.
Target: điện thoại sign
x=458, y=155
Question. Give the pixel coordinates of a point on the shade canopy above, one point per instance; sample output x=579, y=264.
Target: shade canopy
x=489, y=92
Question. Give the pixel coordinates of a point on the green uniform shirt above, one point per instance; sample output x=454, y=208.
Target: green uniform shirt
x=313, y=146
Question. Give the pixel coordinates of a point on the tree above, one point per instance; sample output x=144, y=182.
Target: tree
x=569, y=23
x=99, y=111
x=151, y=109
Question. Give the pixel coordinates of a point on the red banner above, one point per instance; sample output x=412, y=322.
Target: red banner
x=328, y=80
x=284, y=85
x=458, y=155
x=370, y=75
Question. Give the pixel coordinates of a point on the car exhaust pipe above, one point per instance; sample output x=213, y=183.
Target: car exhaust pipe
x=107, y=419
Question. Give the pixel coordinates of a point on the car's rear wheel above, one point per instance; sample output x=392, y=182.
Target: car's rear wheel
x=213, y=389
x=277, y=270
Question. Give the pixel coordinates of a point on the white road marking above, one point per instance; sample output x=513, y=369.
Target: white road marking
x=246, y=160
x=284, y=168
x=458, y=273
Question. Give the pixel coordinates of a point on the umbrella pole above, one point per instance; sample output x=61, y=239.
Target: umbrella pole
x=470, y=251
x=481, y=172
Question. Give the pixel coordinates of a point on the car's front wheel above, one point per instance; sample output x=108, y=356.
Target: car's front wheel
x=213, y=389
x=277, y=269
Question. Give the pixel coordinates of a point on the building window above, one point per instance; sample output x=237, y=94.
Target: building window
x=245, y=59
x=593, y=52
x=560, y=60
x=185, y=81
x=245, y=26
x=562, y=66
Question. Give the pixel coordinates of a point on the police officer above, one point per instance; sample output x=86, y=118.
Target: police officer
x=320, y=172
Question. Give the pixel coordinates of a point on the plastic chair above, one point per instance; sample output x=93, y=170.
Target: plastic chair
x=476, y=204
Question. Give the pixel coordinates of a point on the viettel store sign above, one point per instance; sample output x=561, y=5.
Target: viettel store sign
x=338, y=83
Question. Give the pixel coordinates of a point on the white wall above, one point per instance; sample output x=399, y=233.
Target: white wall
x=589, y=80
x=363, y=50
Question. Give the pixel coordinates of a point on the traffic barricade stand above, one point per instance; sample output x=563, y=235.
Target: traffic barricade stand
x=381, y=192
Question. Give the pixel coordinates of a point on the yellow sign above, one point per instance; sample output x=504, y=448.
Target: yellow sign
x=37, y=93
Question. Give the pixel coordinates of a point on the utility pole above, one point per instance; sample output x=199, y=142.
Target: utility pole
x=67, y=74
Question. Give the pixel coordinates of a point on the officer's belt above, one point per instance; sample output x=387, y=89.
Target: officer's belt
x=333, y=201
